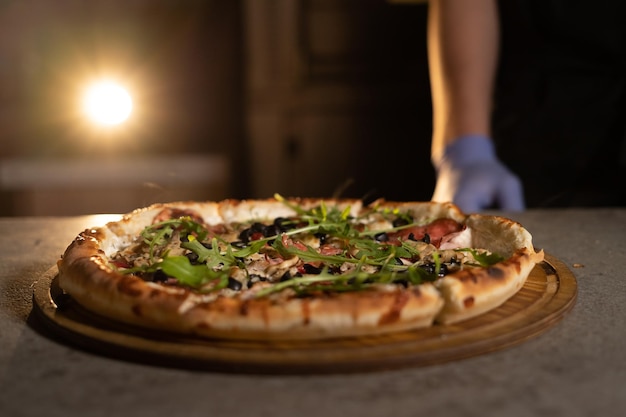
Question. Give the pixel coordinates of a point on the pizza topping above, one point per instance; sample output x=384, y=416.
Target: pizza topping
x=176, y=213
x=320, y=249
x=430, y=233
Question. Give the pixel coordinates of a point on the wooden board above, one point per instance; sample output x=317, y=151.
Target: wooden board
x=549, y=293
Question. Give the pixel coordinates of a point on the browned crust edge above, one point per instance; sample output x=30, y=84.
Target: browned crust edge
x=471, y=292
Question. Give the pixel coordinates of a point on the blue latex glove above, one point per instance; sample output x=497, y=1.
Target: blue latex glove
x=471, y=176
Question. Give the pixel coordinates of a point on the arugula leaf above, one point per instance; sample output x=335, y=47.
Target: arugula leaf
x=437, y=260
x=181, y=268
x=159, y=234
x=199, y=249
x=309, y=255
x=483, y=258
x=294, y=282
x=417, y=275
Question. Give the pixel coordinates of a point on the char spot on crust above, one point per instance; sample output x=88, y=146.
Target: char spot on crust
x=306, y=312
x=496, y=272
x=468, y=275
x=244, y=308
x=81, y=240
x=468, y=302
x=127, y=285
x=137, y=310
x=394, y=312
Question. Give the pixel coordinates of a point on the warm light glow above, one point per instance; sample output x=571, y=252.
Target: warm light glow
x=108, y=103
x=98, y=220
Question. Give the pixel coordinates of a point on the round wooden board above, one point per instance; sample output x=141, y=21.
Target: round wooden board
x=549, y=292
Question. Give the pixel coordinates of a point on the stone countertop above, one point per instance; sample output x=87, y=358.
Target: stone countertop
x=576, y=368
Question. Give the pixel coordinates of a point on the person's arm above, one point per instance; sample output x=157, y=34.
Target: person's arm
x=463, y=39
x=463, y=42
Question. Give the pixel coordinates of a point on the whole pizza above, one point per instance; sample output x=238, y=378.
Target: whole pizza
x=290, y=268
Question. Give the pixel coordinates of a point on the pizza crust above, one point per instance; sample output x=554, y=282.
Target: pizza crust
x=342, y=315
x=129, y=299
x=471, y=292
x=85, y=274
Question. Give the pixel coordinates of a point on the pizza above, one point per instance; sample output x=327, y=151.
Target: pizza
x=296, y=268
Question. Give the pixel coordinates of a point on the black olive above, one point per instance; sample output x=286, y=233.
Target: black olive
x=426, y=238
x=234, y=284
x=400, y=221
x=286, y=276
x=159, y=276
x=322, y=237
x=431, y=268
x=238, y=244
x=311, y=269
x=454, y=261
x=207, y=245
x=381, y=237
x=283, y=224
x=335, y=270
x=271, y=230
x=244, y=235
x=254, y=278
x=192, y=256
x=258, y=228
x=428, y=267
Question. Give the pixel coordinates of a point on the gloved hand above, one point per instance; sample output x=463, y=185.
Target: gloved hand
x=470, y=175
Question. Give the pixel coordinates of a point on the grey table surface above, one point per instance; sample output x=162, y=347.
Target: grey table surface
x=576, y=368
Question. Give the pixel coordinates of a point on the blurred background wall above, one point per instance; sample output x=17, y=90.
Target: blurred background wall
x=232, y=98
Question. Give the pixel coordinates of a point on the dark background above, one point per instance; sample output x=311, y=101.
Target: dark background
x=309, y=98
x=316, y=98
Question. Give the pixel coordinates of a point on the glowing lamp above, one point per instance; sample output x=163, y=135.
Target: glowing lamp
x=107, y=103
